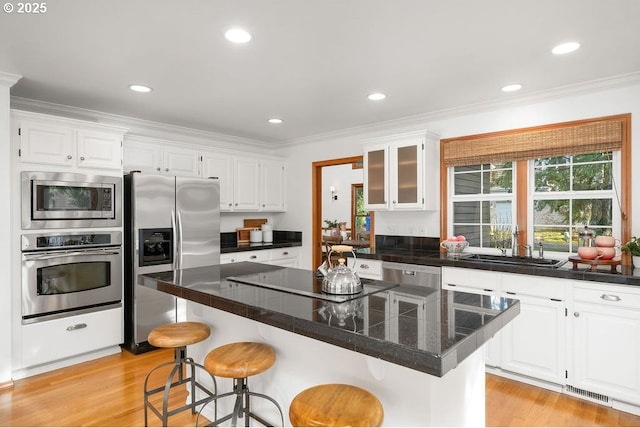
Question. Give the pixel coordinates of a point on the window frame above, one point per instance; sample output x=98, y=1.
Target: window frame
x=616, y=218
x=481, y=197
x=522, y=180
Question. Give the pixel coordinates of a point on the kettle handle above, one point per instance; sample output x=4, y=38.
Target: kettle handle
x=344, y=249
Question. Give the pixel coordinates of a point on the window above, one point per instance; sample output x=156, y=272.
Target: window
x=570, y=192
x=482, y=202
x=360, y=218
x=549, y=180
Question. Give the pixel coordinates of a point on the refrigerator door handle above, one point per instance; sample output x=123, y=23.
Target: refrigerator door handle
x=179, y=218
x=176, y=248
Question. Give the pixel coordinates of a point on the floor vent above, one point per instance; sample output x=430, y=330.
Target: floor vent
x=587, y=394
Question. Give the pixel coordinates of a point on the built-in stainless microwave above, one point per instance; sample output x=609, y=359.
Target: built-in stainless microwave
x=54, y=200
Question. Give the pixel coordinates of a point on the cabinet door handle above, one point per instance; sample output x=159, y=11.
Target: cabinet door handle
x=488, y=289
x=76, y=327
x=610, y=297
x=166, y=169
x=286, y=253
x=81, y=158
x=69, y=157
x=576, y=314
x=158, y=169
x=511, y=292
x=363, y=266
x=229, y=203
x=253, y=257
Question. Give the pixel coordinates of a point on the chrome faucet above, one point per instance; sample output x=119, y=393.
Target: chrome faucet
x=515, y=247
x=540, y=250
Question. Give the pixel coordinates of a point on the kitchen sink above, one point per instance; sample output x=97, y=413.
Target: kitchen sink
x=518, y=261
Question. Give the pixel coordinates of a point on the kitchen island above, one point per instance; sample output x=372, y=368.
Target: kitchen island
x=419, y=350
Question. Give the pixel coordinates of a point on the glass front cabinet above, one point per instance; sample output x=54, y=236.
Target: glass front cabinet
x=401, y=172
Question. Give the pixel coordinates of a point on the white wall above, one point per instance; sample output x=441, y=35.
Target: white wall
x=7, y=287
x=342, y=177
x=596, y=103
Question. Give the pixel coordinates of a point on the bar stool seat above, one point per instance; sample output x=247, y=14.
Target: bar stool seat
x=239, y=361
x=177, y=336
x=335, y=405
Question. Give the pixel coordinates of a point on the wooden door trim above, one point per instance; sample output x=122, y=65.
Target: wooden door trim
x=316, y=203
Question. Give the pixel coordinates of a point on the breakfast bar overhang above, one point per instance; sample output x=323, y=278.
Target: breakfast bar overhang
x=418, y=349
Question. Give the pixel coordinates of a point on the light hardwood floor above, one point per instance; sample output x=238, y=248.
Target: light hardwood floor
x=108, y=392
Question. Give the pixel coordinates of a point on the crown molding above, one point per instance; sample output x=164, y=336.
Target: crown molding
x=419, y=120
x=8, y=79
x=141, y=127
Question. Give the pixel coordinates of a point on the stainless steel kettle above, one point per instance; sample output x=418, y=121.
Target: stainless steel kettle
x=341, y=279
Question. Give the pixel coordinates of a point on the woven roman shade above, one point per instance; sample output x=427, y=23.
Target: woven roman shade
x=586, y=137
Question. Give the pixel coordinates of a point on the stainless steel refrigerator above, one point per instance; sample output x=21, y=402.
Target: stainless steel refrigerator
x=170, y=223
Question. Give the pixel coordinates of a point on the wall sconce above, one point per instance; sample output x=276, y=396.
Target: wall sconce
x=334, y=193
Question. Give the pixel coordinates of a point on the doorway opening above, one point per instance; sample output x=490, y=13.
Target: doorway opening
x=317, y=202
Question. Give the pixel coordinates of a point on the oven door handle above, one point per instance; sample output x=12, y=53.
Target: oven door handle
x=50, y=256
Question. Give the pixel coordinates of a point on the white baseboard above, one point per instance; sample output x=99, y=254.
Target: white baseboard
x=43, y=368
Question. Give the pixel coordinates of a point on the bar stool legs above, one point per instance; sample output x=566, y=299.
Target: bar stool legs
x=239, y=361
x=178, y=336
x=240, y=410
x=179, y=364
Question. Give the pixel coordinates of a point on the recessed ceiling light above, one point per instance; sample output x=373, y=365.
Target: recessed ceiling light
x=140, y=88
x=565, y=48
x=275, y=120
x=511, y=88
x=377, y=96
x=237, y=35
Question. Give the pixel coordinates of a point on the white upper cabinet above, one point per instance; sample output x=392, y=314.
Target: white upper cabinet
x=158, y=158
x=397, y=175
x=180, y=162
x=246, y=184
x=70, y=144
x=99, y=150
x=47, y=144
x=221, y=166
x=143, y=157
x=272, y=181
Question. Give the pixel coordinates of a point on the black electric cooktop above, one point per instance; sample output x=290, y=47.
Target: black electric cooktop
x=306, y=283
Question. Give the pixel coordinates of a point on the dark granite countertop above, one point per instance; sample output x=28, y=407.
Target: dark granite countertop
x=281, y=239
x=624, y=276
x=258, y=246
x=421, y=328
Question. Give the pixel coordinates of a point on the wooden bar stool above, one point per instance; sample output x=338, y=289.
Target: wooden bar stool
x=177, y=336
x=335, y=405
x=239, y=361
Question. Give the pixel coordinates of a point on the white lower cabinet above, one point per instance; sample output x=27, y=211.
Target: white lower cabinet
x=605, y=323
x=288, y=256
x=582, y=337
x=366, y=268
x=49, y=341
x=533, y=344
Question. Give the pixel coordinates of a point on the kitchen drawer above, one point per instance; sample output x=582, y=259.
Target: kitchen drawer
x=471, y=278
x=285, y=253
x=228, y=258
x=49, y=341
x=367, y=268
x=252, y=256
x=608, y=295
x=551, y=288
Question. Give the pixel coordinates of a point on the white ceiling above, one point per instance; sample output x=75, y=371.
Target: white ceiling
x=310, y=62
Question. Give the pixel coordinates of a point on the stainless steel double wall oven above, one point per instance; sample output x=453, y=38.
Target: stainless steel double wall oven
x=78, y=267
